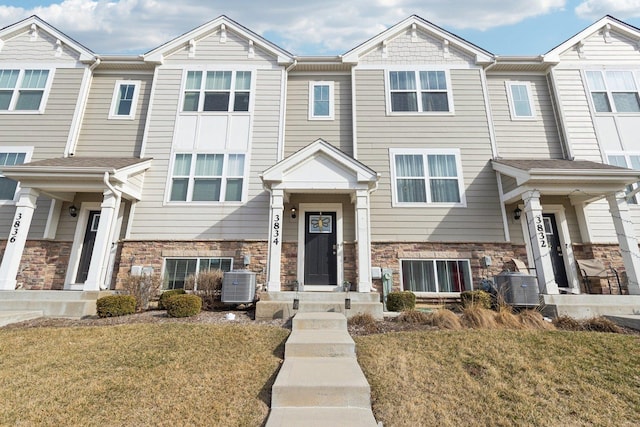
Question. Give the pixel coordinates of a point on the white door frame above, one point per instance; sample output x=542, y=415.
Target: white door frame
x=321, y=207
x=78, y=242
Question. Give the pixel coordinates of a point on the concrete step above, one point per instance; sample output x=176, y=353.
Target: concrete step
x=586, y=306
x=321, y=417
x=320, y=320
x=321, y=382
x=71, y=309
x=319, y=343
x=21, y=295
x=268, y=310
x=337, y=297
x=15, y=316
x=628, y=321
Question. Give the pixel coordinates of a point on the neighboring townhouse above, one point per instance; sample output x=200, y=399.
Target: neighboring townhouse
x=416, y=154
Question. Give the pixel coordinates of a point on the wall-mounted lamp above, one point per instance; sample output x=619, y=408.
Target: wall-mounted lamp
x=73, y=211
x=293, y=213
x=517, y=214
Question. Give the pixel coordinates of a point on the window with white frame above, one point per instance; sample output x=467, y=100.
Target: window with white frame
x=321, y=104
x=436, y=275
x=207, y=177
x=426, y=176
x=9, y=157
x=520, y=100
x=177, y=270
x=422, y=91
x=614, y=91
x=125, y=99
x=23, y=90
x=217, y=91
x=630, y=161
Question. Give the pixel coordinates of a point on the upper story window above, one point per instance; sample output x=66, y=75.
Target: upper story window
x=321, y=104
x=520, y=100
x=614, y=91
x=217, y=91
x=627, y=160
x=425, y=176
x=23, y=90
x=10, y=156
x=124, y=100
x=419, y=91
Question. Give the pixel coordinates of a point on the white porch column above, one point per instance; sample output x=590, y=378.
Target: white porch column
x=539, y=245
x=275, y=240
x=627, y=240
x=363, y=238
x=17, y=238
x=99, y=256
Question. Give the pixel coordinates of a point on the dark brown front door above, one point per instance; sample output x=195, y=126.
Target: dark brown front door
x=320, y=255
x=555, y=248
x=87, y=246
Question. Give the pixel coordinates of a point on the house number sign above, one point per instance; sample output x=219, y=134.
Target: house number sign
x=15, y=228
x=276, y=229
x=542, y=236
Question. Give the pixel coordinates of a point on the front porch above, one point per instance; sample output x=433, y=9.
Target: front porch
x=283, y=305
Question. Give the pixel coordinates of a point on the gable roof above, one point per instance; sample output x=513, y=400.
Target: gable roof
x=85, y=54
x=608, y=23
x=482, y=56
x=157, y=54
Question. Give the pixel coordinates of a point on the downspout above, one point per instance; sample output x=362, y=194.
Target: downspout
x=78, y=119
x=283, y=113
x=112, y=229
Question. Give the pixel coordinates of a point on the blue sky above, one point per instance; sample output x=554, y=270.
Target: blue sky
x=330, y=27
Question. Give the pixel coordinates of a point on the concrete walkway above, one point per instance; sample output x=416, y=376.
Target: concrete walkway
x=320, y=383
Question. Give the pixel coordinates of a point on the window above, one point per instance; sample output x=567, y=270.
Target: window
x=11, y=157
x=426, y=176
x=22, y=90
x=419, y=91
x=176, y=270
x=626, y=160
x=217, y=91
x=125, y=98
x=613, y=91
x=321, y=101
x=207, y=177
x=519, y=94
x=434, y=275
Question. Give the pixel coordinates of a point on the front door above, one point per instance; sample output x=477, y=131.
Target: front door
x=87, y=246
x=555, y=248
x=320, y=255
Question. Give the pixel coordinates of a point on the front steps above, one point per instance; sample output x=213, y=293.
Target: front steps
x=280, y=305
x=71, y=304
x=320, y=383
x=585, y=306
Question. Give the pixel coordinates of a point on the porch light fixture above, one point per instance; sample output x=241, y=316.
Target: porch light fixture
x=517, y=214
x=73, y=211
x=293, y=213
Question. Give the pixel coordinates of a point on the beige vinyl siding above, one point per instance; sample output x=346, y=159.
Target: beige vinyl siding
x=156, y=221
x=101, y=136
x=515, y=226
x=596, y=49
x=38, y=223
x=467, y=130
x=300, y=131
x=524, y=138
x=290, y=232
x=22, y=48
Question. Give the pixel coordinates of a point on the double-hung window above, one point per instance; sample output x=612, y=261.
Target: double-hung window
x=614, y=91
x=207, y=177
x=419, y=91
x=436, y=275
x=125, y=98
x=176, y=270
x=9, y=157
x=321, y=104
x=23, y=90
x=520, y=101
x=424, y=176
x=217, y=91
x=627, y=160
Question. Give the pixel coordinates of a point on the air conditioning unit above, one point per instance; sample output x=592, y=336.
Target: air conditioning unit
x=238, y=287
x=518, y=288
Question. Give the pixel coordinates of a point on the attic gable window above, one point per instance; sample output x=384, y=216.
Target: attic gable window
x=217, y=91
x=520, y=100
x=422, y=91
x=614, y=91
x=125, y=99
x=23, y=90
x=321, y=103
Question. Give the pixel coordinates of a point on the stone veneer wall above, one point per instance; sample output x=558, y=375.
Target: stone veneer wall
x=44, y=265
x=610, y=256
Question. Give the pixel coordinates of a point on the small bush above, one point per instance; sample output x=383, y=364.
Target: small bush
x=115, y=305
x=568, y=323
x=142, y=288
x=600, y=324
x=364, y=321
x=401, y=301
x=445, y=319
x=506, y=319
x=186, y=305
x=164, y=296
x=532, y=319
x=208, y=286
x=477, y=298
x=414, y=316
x=476, y=317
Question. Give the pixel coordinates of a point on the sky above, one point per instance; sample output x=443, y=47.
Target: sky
x=328, y=27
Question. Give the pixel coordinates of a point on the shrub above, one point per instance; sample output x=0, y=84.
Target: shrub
x=400, y=301
x=142, y=288
x=115, y=305
x=364, y=321
x=567, y=323
x=168, y=294
x=414, y=316
x=445, y=319
x=600, y=324
x=532, y=319
x=477, y=298
x=506, y=319
x=185, y=305
x=207, y=285
x=477, y=317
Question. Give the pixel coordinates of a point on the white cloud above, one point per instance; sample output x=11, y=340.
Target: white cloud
x=327, y=27
x=595, y=9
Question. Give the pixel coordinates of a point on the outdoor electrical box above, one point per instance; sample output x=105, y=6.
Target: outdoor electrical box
x=387, y=285
x=486, y=261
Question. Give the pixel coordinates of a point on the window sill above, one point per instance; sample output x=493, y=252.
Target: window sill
x=201, y=203
x=420, y=113
x=26, y=112
x=429, y=205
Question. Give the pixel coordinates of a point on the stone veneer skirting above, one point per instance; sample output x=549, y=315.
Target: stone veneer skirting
x=44, y=264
